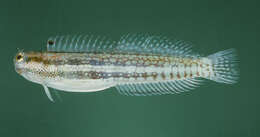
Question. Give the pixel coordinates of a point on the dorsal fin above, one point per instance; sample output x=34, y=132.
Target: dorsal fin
x=130, y=43
x=154, y=44
x=80, y=43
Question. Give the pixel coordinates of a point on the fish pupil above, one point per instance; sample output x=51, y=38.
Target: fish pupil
x=19, y=57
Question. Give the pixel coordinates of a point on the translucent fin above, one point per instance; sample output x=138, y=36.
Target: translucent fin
x=80, y=43
x=225, y=66
x=160, y=88
x=130, y=43
x=47, y=91
x=153, y=44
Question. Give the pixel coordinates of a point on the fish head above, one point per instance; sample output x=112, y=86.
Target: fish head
x=30, y=66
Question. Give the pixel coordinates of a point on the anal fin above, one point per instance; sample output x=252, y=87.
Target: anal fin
x=158, y=88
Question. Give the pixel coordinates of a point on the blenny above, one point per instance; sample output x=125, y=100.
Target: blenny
x=135, y=64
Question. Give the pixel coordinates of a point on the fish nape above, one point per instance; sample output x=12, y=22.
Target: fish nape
x=135, y=64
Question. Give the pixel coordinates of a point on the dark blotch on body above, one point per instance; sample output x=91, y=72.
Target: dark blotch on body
x=50, y=42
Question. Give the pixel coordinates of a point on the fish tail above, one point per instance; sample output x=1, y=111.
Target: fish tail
x=225, y=66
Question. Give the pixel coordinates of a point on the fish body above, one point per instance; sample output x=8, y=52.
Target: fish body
x=137, y=65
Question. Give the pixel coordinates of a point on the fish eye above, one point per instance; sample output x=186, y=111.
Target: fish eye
x=50, y=42
x=19, y=57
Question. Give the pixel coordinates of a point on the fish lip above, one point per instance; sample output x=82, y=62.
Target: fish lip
x=18, y=69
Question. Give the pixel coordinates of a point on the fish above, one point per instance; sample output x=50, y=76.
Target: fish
x=135, y=64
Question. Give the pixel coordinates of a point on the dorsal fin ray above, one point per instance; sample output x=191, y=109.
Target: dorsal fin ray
x=154, y=44
x=130, y=43
x=80, y=43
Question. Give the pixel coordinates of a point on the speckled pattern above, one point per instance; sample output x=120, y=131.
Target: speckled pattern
x=118, y=67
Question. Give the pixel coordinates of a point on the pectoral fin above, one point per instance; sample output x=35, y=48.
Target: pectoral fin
x=47, y=91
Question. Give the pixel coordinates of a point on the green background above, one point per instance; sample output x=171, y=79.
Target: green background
x=213, y=110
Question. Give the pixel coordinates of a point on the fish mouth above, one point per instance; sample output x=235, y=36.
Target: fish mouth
x=18, y=70
x=18, y=67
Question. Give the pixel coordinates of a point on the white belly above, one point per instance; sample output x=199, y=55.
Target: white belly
x=81, y=85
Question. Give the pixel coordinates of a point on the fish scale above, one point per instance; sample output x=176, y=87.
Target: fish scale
x=141, y=64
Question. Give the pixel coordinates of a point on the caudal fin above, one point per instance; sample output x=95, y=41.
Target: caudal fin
x=225, y=66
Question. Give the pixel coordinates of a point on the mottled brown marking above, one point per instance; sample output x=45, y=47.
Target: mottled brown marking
x=34, y=59
x=38, y=59
x=163, y=75
x=185, y=74
x=162, y=59
x=171, y=75
x=154, y=75
x=198, y=74
x=93, y=75
x=144, y=75
x=135, y=75
x=178, y=75
x=213, y=68
x=191, y=75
